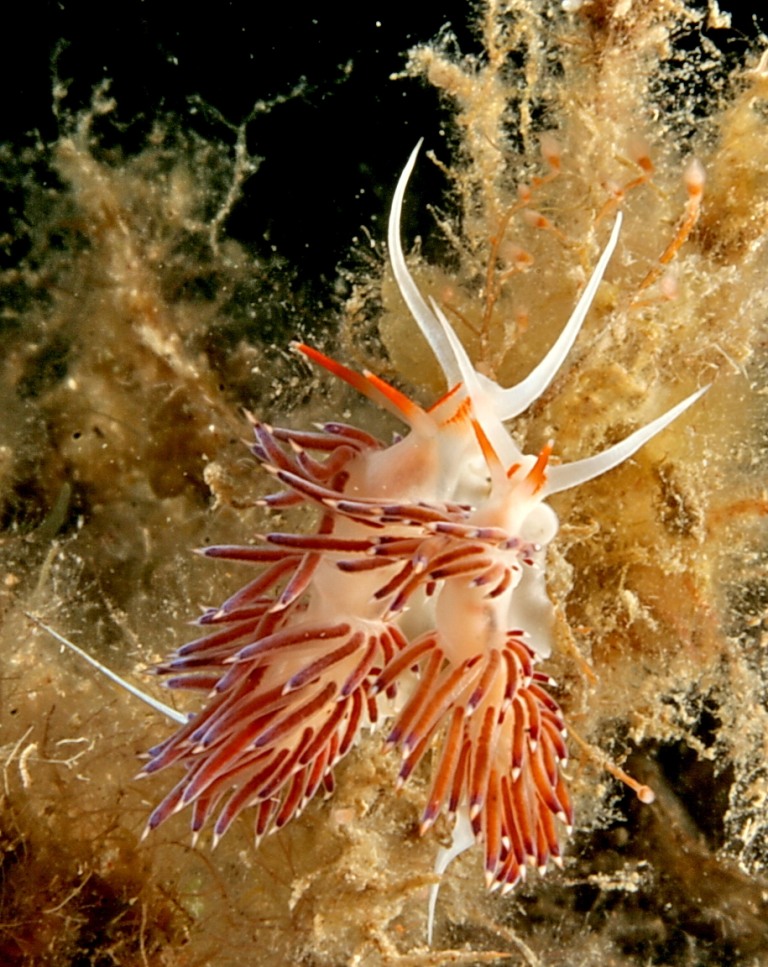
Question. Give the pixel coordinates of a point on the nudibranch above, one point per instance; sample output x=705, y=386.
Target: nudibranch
x=419, y=602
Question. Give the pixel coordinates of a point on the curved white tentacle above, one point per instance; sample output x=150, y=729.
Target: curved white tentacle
x=430, y=328
x=572, y=474
x=510, y=402
x=505, y=403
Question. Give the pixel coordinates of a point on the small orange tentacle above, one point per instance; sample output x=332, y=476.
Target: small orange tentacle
x=537, y=475
x=404, y=406
x=494, y=464
x=367, y=384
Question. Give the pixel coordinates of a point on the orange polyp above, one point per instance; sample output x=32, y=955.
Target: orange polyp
x=694, y=183
x=644, y=793
x=694, y=178
x=518, y=258
x=640, y=156
x=550, y=152
x=536, y=220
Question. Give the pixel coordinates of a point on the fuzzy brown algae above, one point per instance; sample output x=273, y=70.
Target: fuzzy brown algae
x=657, y=574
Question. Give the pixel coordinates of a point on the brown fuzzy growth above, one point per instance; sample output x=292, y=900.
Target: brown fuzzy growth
x=121, y=450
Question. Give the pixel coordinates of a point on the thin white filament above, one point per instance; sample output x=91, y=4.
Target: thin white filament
x=509, y=403
x=417, y=306
x=153, y=703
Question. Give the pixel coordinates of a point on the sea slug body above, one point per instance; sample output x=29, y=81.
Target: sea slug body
x=420, y=600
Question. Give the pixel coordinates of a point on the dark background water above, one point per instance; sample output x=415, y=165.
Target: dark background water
x=330, y=154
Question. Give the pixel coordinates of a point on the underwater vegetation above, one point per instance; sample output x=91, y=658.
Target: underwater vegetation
x=136, y=329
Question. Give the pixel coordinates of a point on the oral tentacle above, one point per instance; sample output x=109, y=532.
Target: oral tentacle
x=574, y=474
